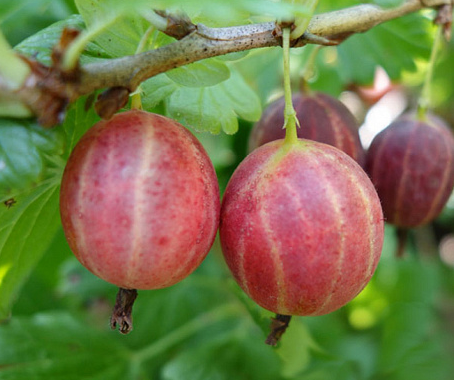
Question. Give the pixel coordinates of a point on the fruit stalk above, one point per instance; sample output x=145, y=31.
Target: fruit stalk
x=309, y=70
x=136, y=98
x=280, y=323
x=290, y=120
x=402, y=237
x=122, y=312
x=278, y=327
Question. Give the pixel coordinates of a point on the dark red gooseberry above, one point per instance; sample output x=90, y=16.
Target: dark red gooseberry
x=411, y=164
x=322, y=118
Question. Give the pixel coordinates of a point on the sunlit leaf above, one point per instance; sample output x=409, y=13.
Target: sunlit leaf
x=40, y=44
x=120, y=23
x=219, y=12
x=217, y=107
x=394, y=45
x=26, y=230
x=208, y=72
x=294, y=349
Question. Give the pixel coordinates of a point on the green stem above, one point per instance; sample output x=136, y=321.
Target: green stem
x=301, y=23
x=13, y=70
x=144, y=39
x=195, y=325
x=157, y=22
x=77, y=47
x=308, y=71
x=136, y=98
x=291, y=121
x=424, y=98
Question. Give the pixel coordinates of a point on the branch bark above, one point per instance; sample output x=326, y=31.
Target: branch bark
x=325, y=29
x=203, y=42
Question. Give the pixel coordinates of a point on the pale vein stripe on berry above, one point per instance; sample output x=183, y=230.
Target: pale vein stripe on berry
x=277, y=259
x=266, y=223
x=335, y=201
x=139, y=226
x=197, y=159
x=241, y=236
x=406, y=168
x=444, y=182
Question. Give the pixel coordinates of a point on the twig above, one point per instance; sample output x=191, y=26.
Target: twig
x=198, y=42
x=204, y=42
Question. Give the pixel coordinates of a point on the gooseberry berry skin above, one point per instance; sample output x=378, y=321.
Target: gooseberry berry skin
x=322, y=118
x=301, y=227
x=411, y=163
x=139, y=201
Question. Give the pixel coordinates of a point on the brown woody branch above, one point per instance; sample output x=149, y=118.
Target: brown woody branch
x=197, y=42
x=206, y=42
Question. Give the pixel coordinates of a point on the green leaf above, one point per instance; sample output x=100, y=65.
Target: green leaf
x=411, y=345
x=20, y=19
x=294, y=348
x=119, y=23
x=234, y=357
x=26, y=230
x=208, y=72
x=330, y=369
x=394, y=45
x=13, y=70
x=409, y=327
x=217, y=107
x=260, y=316
x=59, y=347
x=388, y=3
x=156, y=89
x=24, y=151
x=79, y=119
x=233, y=56
x=28, y=227
x=263, y=69
x=219, y=12
x=40, y=292
x=40, y=44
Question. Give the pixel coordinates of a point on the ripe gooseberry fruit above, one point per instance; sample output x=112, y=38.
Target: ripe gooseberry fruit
x=322, y=118
x=301, y=227
x=139, y=204
x=411, y=163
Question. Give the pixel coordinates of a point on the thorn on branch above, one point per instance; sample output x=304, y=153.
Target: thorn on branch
x=111, y=101
x=47, y=90
x=178, y=26
x=44, y=93
x=67, y=37
x=444, y=18
x=277, y=32
x=309, y=38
